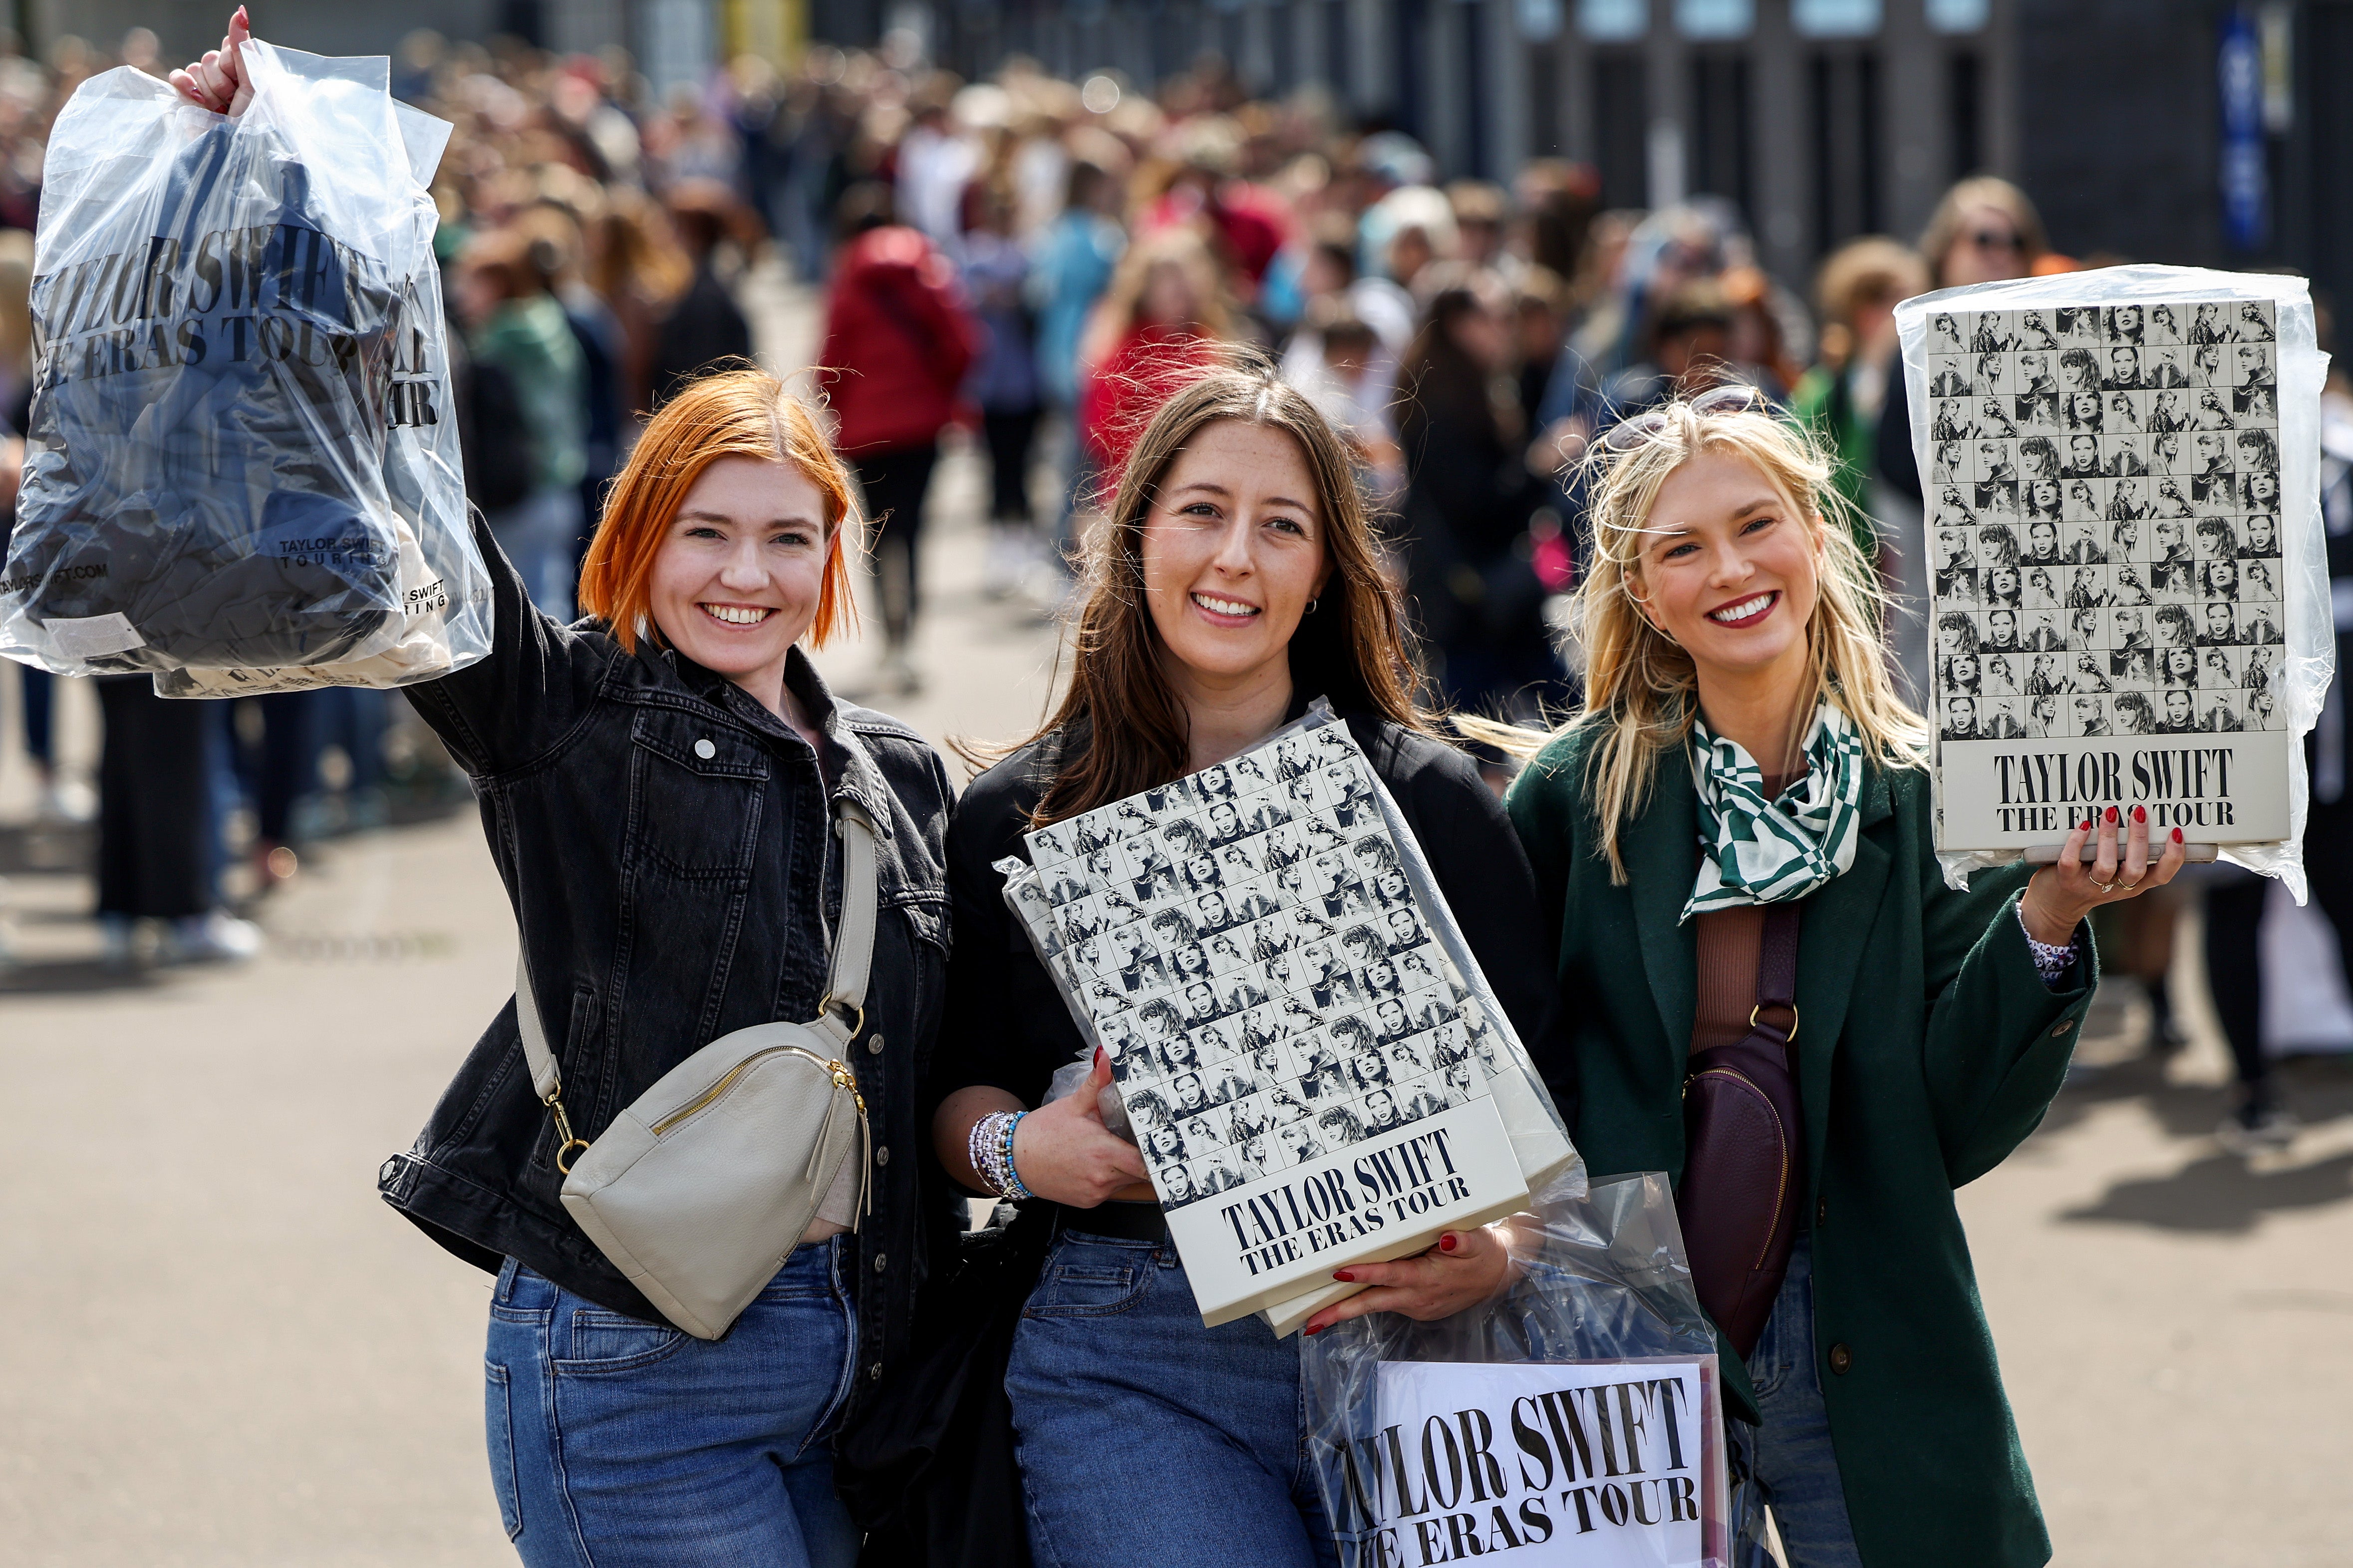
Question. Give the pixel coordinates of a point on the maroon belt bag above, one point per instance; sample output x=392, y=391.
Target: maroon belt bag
x=1743, y=1163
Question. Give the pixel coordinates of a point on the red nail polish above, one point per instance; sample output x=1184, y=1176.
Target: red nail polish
x=1343, y=1277
x=1447, y=1243
x=1316, y=1329
x=2112, y=813
x=2140, y=813
x=2177, y=836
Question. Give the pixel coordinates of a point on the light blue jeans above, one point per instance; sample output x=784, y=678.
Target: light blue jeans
x=1145, y=1439
x=1789, y=1462
x=616, y=1443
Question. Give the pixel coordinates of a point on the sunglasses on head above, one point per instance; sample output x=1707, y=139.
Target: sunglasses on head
x=1628, y=434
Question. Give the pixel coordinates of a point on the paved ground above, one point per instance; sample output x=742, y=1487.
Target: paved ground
x=221, y=1349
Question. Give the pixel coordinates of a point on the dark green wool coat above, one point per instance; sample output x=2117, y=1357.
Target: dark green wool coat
x=1928, y=1047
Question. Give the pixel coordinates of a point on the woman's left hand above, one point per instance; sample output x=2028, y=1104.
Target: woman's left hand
x=1461, y=1269
x=2059, y=897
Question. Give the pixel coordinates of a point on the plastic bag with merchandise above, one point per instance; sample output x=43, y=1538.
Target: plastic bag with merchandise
x=1575, y=1418
x=242, y=469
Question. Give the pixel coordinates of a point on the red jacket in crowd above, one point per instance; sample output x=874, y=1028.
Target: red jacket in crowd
x=898, y=342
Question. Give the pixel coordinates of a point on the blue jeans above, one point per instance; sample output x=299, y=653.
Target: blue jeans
x=621, y=1444
x=1789, y=1457
x=1146, y=1439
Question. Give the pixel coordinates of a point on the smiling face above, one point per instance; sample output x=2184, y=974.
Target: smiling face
x=737, y=581
x=1232, y=552
x=1731, y=568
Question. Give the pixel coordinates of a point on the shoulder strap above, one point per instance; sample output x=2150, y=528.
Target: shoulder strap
x=853, y=957
x=1777, y=964
x=853, y=941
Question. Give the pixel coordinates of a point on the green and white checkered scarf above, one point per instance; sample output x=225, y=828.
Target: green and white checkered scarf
x=1760, y=851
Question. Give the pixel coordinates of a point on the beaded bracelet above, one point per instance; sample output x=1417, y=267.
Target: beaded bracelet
x=1009, y=1182
x=990, y=1147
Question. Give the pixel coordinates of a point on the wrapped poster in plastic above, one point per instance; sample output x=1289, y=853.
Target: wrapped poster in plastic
x=242, y=468
x=1301, y=1040
x=2131, y=603
x=1574, y=1421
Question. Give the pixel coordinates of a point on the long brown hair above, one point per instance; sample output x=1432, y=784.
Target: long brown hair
x=1353, y=648
x=734, y=413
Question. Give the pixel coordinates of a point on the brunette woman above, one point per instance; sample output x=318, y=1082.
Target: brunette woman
x=1234, y=581
x=660, y=784
x=1737, y=701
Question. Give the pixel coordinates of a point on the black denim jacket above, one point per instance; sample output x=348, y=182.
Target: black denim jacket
x=664, y=839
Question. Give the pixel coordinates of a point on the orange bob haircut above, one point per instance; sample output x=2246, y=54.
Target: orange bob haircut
x=735, y=413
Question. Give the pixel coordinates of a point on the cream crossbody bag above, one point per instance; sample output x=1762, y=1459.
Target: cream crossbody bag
x=701, y=1189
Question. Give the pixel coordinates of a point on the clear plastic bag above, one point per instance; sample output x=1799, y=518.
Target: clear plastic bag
x=242, y=471
x=1937, y=343
x=1575, y=1418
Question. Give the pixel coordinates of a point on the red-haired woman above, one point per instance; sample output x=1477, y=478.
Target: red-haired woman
x=661, y=785
x=658, y=785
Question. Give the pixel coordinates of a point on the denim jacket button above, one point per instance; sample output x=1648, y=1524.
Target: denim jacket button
x=1842, y=1359
x=874, y=1373
x=882, y=1155
x=705, y=750
x=882, y=1261
x=874, y=1045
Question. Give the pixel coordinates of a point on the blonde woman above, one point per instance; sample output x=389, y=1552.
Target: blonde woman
x=1742, y=747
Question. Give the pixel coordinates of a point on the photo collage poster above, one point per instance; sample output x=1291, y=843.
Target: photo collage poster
x=2104, y=522
x=1254, y=959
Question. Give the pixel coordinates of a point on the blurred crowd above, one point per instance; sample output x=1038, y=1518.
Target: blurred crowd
x=1026, y=262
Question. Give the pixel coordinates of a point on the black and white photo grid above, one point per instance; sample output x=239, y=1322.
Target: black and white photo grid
x=1254, y=959
x=2105, y=520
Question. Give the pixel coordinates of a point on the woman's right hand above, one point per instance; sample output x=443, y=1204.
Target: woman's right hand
x=1062, y=1150
x=218, y=81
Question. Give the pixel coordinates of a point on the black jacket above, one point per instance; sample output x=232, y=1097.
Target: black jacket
x=663, y=839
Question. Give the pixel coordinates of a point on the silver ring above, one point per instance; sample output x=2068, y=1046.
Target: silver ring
x=2105, y=886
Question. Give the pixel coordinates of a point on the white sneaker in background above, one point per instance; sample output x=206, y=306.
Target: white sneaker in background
x=67, y=801
x=1002, y=562
x=216, y=938
x=120, y=935
x=2258, y=1126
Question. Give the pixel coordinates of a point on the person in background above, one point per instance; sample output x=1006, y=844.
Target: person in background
x=519, y=329
x=1841, y=397
x=1542, y=321
x=636, y=269
x=157, y=860
x=1075, y=258
x=2236, y=897
x=1985, y=230
x=898, y=340
x=598, y=331
x=1469, y=498
x=1159, y=323
x=1346, y=386
x=1005, y=383
x=704, y=329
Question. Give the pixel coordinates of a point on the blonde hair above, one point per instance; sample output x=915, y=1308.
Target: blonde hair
x=1640, y=687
